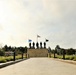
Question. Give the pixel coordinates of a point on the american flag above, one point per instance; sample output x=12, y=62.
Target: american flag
x=29, y=40
x=38, y=36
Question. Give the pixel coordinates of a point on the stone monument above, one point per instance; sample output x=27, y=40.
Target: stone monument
x=33, y=45
x=44, y=44
x=30, y=45
x=39, y=51
x=40, y=44
x=37, y=45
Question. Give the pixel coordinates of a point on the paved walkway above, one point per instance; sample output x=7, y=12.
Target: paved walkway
x=39, y=66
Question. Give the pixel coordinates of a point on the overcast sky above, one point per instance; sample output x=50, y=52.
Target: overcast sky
x=21, y=20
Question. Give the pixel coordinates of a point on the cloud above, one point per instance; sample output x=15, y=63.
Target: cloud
x=1, y=28
x=51, y=19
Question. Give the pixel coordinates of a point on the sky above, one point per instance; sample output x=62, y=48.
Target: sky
x=54, y=20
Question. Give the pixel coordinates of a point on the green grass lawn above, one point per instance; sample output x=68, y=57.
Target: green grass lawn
x=67, y=57
x=4, y=59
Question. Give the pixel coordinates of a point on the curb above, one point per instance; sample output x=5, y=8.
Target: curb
x=66, y=61
x=11, y=63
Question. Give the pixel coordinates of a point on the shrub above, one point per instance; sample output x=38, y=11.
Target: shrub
x=67, y=58
x=72, y=57
x=2, y=60
x=18, y=57
x=2, y=53
x=9, y=59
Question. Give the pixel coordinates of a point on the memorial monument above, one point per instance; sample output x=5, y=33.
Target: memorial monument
x=33, y=45
x=44, y=44
x=30, y=45
x=36, y=50
x=40, y=44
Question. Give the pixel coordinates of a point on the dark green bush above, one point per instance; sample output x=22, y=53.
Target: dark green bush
x=71, y=58
x=9, y=59
x=74, y=59
x=2, y=53
x=2, y=60
x=67, y=58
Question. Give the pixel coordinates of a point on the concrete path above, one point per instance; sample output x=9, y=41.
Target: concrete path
x=39, y=66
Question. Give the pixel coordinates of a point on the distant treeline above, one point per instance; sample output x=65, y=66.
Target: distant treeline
x=59, y=50
x=17, y=50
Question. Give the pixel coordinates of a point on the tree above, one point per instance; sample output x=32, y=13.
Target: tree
x=9, y=48
x=58, y=49
x=22, y=49
x=2, y=53
x=70, y=51
x=5, y=48
x=25, y=49
x=49, y=49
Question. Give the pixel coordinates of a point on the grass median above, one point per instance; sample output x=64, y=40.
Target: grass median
x=67, y=57
x=4, y=59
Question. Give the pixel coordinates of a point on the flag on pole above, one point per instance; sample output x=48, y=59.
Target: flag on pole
x=46, y=40
x=29, y=40
x=38, y=36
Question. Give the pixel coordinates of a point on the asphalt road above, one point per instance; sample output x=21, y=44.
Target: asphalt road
x=39, y=66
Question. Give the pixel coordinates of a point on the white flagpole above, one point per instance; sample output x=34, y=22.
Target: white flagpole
x=37, y=38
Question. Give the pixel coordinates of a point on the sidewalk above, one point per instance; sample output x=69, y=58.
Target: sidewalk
x=10, y=63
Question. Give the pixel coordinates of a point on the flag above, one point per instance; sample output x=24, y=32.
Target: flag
x=29, y=40
x=46, y=40
x=38, y=36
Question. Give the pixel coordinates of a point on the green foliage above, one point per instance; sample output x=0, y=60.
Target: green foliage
x=70, y=57
x=67, y=57
x=5, y=48
x=70, y=51
x=2, y=60
x=2, y=53
x=52, y=51
x=18, y=57
x=59, y=56
x=9, y=58
x=22, y=49
x=18, y=52
x=74, y=59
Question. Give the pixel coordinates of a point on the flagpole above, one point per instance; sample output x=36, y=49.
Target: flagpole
x=37, y=39
x=45, y=39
